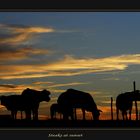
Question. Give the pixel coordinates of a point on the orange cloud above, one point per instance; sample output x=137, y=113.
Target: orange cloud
x=17, y=89
x=68, y=67
x=67, y=84
x=20, y=53
x=12, y=89
x=20, y=34
x=112, y=79
x=42, y=83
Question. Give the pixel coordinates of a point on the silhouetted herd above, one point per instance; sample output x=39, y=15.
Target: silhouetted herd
x=67, y=104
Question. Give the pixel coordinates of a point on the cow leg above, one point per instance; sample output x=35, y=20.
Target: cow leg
x=126, y=115
x=75, y=115
x=65, y=116
x=35, y=114
x=83, y=110
x=28, y=114
x=66, y=111
x=117, y=112
x=92, y=115
x=52, y=114
x=130, y=114
x=15, y=115
x=123, y=115
x=12, y=114
x=60, y=116
x=21, y=115
x=55, y=113
x=72, y=114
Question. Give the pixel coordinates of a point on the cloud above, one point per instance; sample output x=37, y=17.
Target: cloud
x=10, y=54
x=15, y=34
x=111, y=79
x=8, y=86
x=12, y=89
x=42, y=83
x=70, y=66
x=67, y=84
x=95, y=64
x=13, y=40
x=90, y=65
x=16, y=89
x=56, y=90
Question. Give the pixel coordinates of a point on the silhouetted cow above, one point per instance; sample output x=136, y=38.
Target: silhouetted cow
x=13, y=103
x=33, y=99
x=60, y=109
x=124, y=102
x=54, y=109
x=72, y=99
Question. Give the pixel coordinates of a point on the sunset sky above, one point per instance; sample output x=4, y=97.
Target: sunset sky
x=95, y=52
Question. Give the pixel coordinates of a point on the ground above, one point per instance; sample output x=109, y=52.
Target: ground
x=6, y=122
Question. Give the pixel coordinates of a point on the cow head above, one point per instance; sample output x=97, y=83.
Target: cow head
x=3, y=100
x=45, y=95
x=96, y=114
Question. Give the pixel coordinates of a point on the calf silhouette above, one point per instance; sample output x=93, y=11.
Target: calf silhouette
x=54, y=109
x=33, y=99
x=124, y=102
x=60, y=109
x=13, y=103
x=72, y=99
